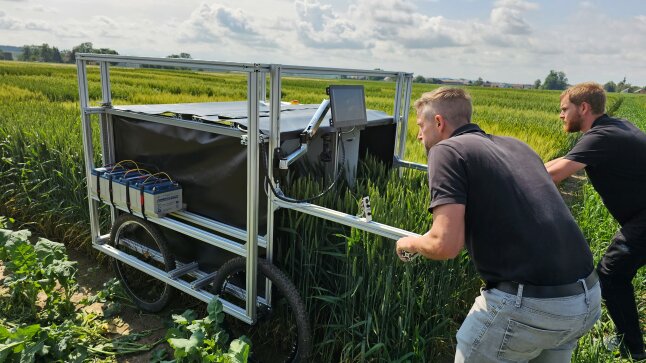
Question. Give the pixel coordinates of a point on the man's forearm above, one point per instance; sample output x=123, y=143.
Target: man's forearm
x=552, y=162
x=429, y=246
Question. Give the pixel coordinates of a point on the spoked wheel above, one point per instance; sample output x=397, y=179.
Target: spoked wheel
x=282, y=332
x=144, y=241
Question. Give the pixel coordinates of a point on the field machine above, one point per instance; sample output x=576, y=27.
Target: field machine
x=191, y=189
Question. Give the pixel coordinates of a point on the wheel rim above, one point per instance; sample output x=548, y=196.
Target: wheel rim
x=139, y=285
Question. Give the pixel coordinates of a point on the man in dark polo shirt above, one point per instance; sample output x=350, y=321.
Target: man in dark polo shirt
x=613, y=153
x=493, y=195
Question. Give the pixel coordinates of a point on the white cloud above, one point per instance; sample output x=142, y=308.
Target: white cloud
x=38, y=26
x=320, y=27
x=8, y=23
x=44, y=9
x=219, y=24
x=507, y=17
x=369, y=22
x=234, y=20
x=66, y=31
x=435, y=32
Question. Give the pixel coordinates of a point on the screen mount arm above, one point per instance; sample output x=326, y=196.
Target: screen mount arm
x=307, y=135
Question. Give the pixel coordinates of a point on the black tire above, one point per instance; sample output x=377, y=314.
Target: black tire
x=282, y=333
x=147, y=293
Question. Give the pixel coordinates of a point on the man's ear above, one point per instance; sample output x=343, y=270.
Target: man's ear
x=439, y=122
x=585, y=107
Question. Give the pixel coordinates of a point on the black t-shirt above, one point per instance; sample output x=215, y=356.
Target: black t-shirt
x=614, y=152
x=518, y=227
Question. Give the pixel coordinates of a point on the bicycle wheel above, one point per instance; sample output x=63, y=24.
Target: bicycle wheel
x=144, y=241
x=282, y=332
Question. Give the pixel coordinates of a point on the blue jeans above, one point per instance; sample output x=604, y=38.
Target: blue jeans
x=502, y=327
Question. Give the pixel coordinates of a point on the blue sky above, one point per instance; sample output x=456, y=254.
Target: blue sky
x=515, y=41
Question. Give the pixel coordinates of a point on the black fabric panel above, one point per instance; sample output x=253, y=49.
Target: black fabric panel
x=378, y=141
x=211, y=168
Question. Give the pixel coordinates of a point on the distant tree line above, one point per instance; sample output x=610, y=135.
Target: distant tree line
x=621, y=86
x=555, y=80
x=558, y=81
x=45, y=53
x=175, y=56
x=422, y=79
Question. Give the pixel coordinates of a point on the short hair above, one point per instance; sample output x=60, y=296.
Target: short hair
x=452, y=103
x=589, y=92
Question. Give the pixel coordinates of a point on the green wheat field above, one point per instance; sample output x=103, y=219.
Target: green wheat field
x=364, y=304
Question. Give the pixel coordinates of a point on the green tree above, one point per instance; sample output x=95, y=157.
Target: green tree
x=26, y=53
x=478, y=82
x=537, y=84
x=555, y=80
x=51, y=55
x=181, y=55
x=87, y=47
x=623, y=85
x=419, y=79
x=40, y=53
x=610, y=86
x=66, y=56
x=104, y=51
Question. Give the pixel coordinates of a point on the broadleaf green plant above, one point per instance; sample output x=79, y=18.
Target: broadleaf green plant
x=200, y=340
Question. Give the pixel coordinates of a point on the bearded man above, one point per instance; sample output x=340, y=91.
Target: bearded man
x=613, y=153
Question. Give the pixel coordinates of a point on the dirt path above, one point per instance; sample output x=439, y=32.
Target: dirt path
x=91, y=277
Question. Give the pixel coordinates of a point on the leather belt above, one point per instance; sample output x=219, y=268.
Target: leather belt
x=546, y=292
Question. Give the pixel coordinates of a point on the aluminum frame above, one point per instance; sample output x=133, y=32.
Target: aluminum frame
x=256, y=92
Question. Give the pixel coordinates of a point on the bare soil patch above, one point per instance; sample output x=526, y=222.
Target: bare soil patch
x=91, y=277
x=570, y=188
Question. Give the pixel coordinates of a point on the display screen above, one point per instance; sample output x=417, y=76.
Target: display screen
x=348, y=104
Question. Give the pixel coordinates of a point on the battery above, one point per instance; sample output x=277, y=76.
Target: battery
x=136, y=190
x=157, y=196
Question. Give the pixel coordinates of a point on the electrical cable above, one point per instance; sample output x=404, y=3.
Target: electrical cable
x=306, y=200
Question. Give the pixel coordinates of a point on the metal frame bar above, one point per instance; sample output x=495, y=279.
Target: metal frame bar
x=187, y=124
x=275, y=91
x=86, y=130
x=252, y=191
x=256, y=92
x=349, y=220
x=178, y=284
x=291, y=69
x=105, y=123
x=171, y=62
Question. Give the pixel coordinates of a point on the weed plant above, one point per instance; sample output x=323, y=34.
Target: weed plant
x=39, y=322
